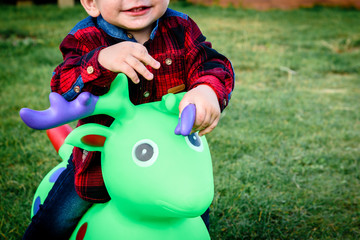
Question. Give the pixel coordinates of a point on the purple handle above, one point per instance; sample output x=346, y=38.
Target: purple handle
x=60, y=111
x=186, y=121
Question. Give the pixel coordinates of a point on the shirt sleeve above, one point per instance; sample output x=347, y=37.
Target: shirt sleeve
x=206, y=66
x=80, y=67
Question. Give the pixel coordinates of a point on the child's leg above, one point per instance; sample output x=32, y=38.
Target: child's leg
x=61, y=211
x=205, y=218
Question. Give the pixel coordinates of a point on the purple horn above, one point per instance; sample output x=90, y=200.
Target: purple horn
x=60, y=111
x=186, y=121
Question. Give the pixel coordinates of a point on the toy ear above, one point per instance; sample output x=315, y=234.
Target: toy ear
x=94, y=140
x=171, y=102
x=90, y=137
x=116, y=102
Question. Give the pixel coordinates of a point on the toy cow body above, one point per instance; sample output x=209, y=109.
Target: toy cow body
x=159, y=182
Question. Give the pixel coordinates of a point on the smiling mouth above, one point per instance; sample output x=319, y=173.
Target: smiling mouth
x=138, y=9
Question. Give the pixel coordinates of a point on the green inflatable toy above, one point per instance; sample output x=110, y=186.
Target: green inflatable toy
x=160, y=182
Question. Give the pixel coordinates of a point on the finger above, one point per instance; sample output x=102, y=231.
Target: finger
x=202, y=120
x=142, y=55
x=205, y=124
x=152, y=62
x=183, y=103
x=210, y=128
x=130, y=73
x=140, y=68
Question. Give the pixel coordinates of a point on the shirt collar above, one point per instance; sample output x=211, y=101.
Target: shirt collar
x=120, y=33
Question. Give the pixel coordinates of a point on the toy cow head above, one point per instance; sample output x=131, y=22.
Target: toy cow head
x=148, y=170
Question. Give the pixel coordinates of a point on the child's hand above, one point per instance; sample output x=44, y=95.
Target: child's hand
x=129, y=58
x=207, y=108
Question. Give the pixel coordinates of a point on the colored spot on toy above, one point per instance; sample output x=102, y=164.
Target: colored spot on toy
x=81, y=233
x=36, y=205
x=56, y=174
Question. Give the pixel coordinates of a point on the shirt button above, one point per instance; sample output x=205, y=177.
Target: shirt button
x=77, y=89
x=129, y=35
x=168, y=61
x=146, y=94
x=90, y=69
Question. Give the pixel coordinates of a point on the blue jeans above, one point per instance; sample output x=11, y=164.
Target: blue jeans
x=205, y=218
x=61, y=211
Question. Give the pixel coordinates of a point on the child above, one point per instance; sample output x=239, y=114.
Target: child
x=161, y=51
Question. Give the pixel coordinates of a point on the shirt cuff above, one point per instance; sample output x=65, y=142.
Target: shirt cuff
x=216, y=85
x=92, y=71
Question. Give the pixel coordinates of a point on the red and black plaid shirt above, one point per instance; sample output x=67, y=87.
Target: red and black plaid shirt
x=187, y=60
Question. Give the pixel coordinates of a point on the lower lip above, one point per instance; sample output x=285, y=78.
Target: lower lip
x=141, y=12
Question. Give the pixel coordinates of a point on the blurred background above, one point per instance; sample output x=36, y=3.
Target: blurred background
x=254, y=4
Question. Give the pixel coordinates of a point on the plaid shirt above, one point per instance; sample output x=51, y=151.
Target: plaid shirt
x=187, y=60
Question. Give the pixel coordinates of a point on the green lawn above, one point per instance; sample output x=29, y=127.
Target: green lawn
x=286, y=153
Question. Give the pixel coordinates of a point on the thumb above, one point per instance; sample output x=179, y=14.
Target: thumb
x=183, y=103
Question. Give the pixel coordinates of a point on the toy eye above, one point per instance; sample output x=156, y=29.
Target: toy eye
x=145, y=153
x=194, y=141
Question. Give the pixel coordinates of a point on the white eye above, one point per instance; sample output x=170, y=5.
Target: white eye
x=145, y=153
x=194, y=141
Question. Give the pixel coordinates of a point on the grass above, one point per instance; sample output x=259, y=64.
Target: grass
x=286, y=153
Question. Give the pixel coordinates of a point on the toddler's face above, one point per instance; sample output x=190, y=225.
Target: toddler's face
x=132, y=14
